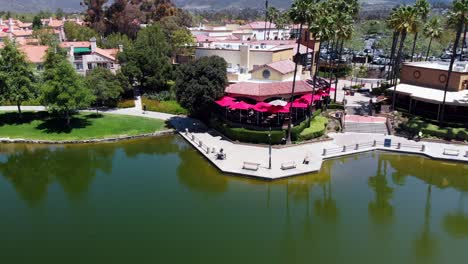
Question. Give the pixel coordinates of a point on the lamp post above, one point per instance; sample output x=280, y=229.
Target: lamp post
x=269, y=149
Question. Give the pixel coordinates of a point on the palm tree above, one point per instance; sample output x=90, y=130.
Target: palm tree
x=432, y=30
x=299, y=14
x=405, y=22
x=280, y=22
x=273, y=15
x=422, y=8
x=344, y=30
x=391, y=23
x=458, y=13
x=266, y=19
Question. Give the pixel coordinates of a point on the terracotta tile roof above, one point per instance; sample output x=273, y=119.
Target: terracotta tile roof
x=76, y=44
x=108, y=53
x=35, y=54
x=22, y=33
x=205, y=38
x=55, y=23
x=259, y=25
x=271, y=89
x=283, y=67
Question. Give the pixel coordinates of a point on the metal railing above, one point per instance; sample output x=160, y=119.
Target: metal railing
x=198, y=142
x=371, y=145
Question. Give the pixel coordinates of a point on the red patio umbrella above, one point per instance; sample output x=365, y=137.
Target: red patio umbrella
x=262, y=107
x=225, y=101
x=298, y=103
x=240, y=106
x=308, y=98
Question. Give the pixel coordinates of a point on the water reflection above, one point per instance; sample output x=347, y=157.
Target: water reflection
x=326, y=207
x=426, y=244
x=456, y=223
x=32, y=169
x=380, y=209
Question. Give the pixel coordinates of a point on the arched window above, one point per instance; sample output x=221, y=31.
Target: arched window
x=266, y=74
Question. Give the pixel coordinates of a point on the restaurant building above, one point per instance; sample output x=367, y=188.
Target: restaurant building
x=421, y=90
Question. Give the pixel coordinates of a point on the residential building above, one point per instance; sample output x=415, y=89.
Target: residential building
x=244, y=56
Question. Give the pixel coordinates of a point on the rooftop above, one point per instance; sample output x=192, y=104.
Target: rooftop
x=443, y=66
x=283, y=67
x=433, y=95
x=270, y=89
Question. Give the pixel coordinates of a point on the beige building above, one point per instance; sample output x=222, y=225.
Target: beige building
x=421, y=90
x=244, y=56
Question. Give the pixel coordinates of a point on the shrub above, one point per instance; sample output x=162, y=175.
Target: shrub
x=126, y=103
x=336, y=106
x=250, y=136
x=296, y=130
x=416, y=124
x=161, y=96
x=317, y=128
x=170, y=107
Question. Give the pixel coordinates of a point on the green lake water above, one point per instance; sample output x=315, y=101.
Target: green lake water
x=158, y=201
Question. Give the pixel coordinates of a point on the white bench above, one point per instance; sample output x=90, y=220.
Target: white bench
x=250, y=166
x=288, y=165
x=451, y=152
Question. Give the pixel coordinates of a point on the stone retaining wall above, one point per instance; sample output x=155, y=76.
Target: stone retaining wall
x=87, y=141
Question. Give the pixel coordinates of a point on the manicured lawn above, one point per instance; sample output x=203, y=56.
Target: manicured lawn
x=170, y=107
x=416, y=124
x=41, y=126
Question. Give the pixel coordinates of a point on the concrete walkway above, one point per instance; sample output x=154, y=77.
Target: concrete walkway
x=208, y=143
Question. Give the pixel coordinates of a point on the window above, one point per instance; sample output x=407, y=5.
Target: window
x=229, y=65
x=79, y=66
x=266, y=74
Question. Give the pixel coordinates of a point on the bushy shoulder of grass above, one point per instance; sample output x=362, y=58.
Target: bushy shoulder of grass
x=317, y=128
x=415, y=125
x=170, y=107
x=126, y=103
x=42, y=126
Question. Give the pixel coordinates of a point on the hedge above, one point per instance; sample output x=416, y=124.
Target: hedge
x=336, y=106
x=250, y=136
x=126, y=103
x=415, y=125
x=317, y=129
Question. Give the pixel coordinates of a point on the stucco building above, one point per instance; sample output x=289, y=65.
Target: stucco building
x=421, y=90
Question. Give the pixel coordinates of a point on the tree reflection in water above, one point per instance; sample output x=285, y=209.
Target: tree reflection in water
x=31, y=169
x=381, y=210
x=426, y=243
x=456, y=223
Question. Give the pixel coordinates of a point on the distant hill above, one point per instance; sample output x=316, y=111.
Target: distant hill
x=220, y=4
x=74, y=5
x=28, y=6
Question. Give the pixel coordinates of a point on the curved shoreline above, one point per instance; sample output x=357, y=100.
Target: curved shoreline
x=87, y=141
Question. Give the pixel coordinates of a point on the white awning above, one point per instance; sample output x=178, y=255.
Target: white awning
x=432, y=95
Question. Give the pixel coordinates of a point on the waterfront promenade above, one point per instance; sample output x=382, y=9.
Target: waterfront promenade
x=286, y=161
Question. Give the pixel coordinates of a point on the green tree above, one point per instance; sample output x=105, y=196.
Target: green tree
x=404, y=21
x=114, y=40
x=37, y=23
x=105, y=86
x=147, y=63
x=422, y=8
x=76, y=32
x=199, y=83
x=46, y=36
x=63, y=90
x=59, y=14
x=432, y=30
x=16, y=76
x=458, y=17
x=299, y=14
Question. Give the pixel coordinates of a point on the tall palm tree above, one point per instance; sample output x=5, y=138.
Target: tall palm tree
x=273, y=15
x=299, y=14
x=406, y=22
x=458, y=13
x=392, y=24
x=432, y=30
x=344, y=29
x=422, y=8
x=280, y=22
x=266, y=19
